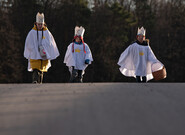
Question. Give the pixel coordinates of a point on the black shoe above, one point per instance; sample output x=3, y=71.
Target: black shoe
x=35, y=82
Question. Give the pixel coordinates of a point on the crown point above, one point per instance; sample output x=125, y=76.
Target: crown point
x=141, y=31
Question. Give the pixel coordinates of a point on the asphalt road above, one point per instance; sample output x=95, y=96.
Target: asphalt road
x=92, y=109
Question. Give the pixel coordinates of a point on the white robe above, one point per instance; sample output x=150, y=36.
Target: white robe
x=137, y=60
x=31, y=46
x=78, y=57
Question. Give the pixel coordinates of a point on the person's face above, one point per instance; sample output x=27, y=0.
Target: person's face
x=78, y=39
x=140, y=38
x=40, y=25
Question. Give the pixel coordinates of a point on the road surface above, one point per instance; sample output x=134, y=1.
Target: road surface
x=92, y=109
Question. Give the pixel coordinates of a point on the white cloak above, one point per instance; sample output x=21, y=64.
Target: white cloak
x=31, y=46
x=137, y=60
x=78, y=57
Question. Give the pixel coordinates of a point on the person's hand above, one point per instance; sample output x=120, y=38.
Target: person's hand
x=87, y=61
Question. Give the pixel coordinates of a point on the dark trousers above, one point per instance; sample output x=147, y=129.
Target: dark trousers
x=37, y=76
x=76, y=76
x=138, y=79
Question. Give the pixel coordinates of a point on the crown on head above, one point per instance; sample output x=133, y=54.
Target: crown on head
x=141, y=31
x=40, y=18
x=79, y=31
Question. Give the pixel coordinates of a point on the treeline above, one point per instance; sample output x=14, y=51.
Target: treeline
x=111, y=25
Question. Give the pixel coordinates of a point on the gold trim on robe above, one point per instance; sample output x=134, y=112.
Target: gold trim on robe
x=44, y=28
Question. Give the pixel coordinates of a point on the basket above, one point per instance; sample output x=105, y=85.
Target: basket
x=160, y=74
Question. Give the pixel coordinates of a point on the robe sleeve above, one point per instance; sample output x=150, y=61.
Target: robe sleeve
x=153, y=61
x=50, y=46
x=126, y=58
x=151, y=56
x=88, y=53
x=68, y=59
x=126, y=61
x=29, y=45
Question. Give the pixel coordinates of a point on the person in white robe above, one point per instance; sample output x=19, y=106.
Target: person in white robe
x=78, y=56
x=40, y=48
x=138, y=58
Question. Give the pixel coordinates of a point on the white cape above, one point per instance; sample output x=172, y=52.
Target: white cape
x=137, y=60
x=78, y=57
x=31, y=46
